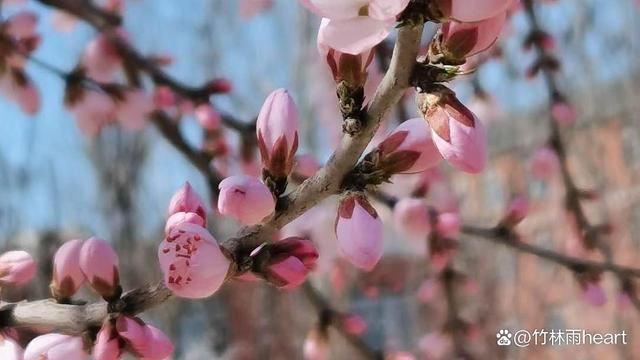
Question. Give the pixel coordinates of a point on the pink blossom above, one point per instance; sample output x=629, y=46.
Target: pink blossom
x=516, y=211
x=191, y=261
x=99, y=263
x=67, y=274
x=93, y=111
x=133, y=110
x=55, y=347
x=354, y=325
x=107, y=346
x=164, y=97
x=22, y=24
x=359, y=232
x=344, y=67
x=411, y=217
x=251, y=8
x=101, y=59
x=10, y=349
x=457, y=133
x=187, y=200
x=563, y=113
x=472, y=10
x=448, y=224
x=354, y=26
x=544, y=163
x=145, y=341
x=306, y=166
x=160, y=346
x=409, y=148
x=183, y=217
x=16, y=268
x=208, y=117
x=245, y=199
x=463, y=40
x=594, y=294
x=277, y=133
x=290, y=263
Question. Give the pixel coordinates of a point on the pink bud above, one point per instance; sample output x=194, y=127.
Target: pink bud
x=183, y=217
x=187, y=200
x=277, y=132
x=107, y=346
x=208, y=117
x=16, y=268
x=163, y=97
x=93, y=112
x=344, y=67
x=594, y=294
x=10, y=349
x=245, y=199
x=516, y=212
x=145, y=341
x=133, y=110
x=563, y=113
x=160, y=346
x=463, y=40
x=544, y=163
x=354, y=325
x=287, y=273
x=67, y=275
x=191, y=261
x=411, y=217
x=55, y=347
x=22, y=24
x=306, y=166
x=221, y=86
x=101, y=59
x=357, y=35
x=472, y=10
x=459, y=136
x=290, y=263
x=99, y=263
x=448, y=224
x=409, y=148
x=359, y=232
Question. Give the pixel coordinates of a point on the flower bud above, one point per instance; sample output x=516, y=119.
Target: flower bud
x=16, y=268
x=344, y=67
x=516, y=212
x=134, y=108
x=359, y=232
x=187, y=200
x=354, y=325
x=99, y=263
x=462, y=40
x=107, y=346
x=290, y=262
x=10, y=349
x=408, y=149
x=208, y=117
x=411, y=218
x=448, y=224
x=144, y=341
x=457, y=133
x=55, y=347
x=191, y=261
x=277, y=133
x=245, y=199
x=67, y=275
x=21, y=25
x=182, y=217
x=101, y=59
x=220, y=86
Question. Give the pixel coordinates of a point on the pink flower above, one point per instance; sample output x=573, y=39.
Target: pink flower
x=344, y=67
x=245, y=199
x=183, y=217
x=516, y=212
x=594, y=294
x=563, y=112
x=10, y=349
x=145, y=341
x=354, y=26
x=544, y=163
x=459, y=136
x=354, y=325
x=290, y=262
x=55, y=347
x=463, y=40
x=93, y=111
x=16, y=268
x=359, y=232
x=107, y=346
x=448, y=224
x=191, y=261
x=99, y=263
x=67, y=275
x=277, y=133
x=409, y=149
x=411, y=217
x=187, y=200
x=208, y=117
x=133, y=110
x=101, y=59
x=471, y=10
x=22, y=24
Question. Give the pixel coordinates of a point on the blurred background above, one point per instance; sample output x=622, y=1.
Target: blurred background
x=58, y=184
